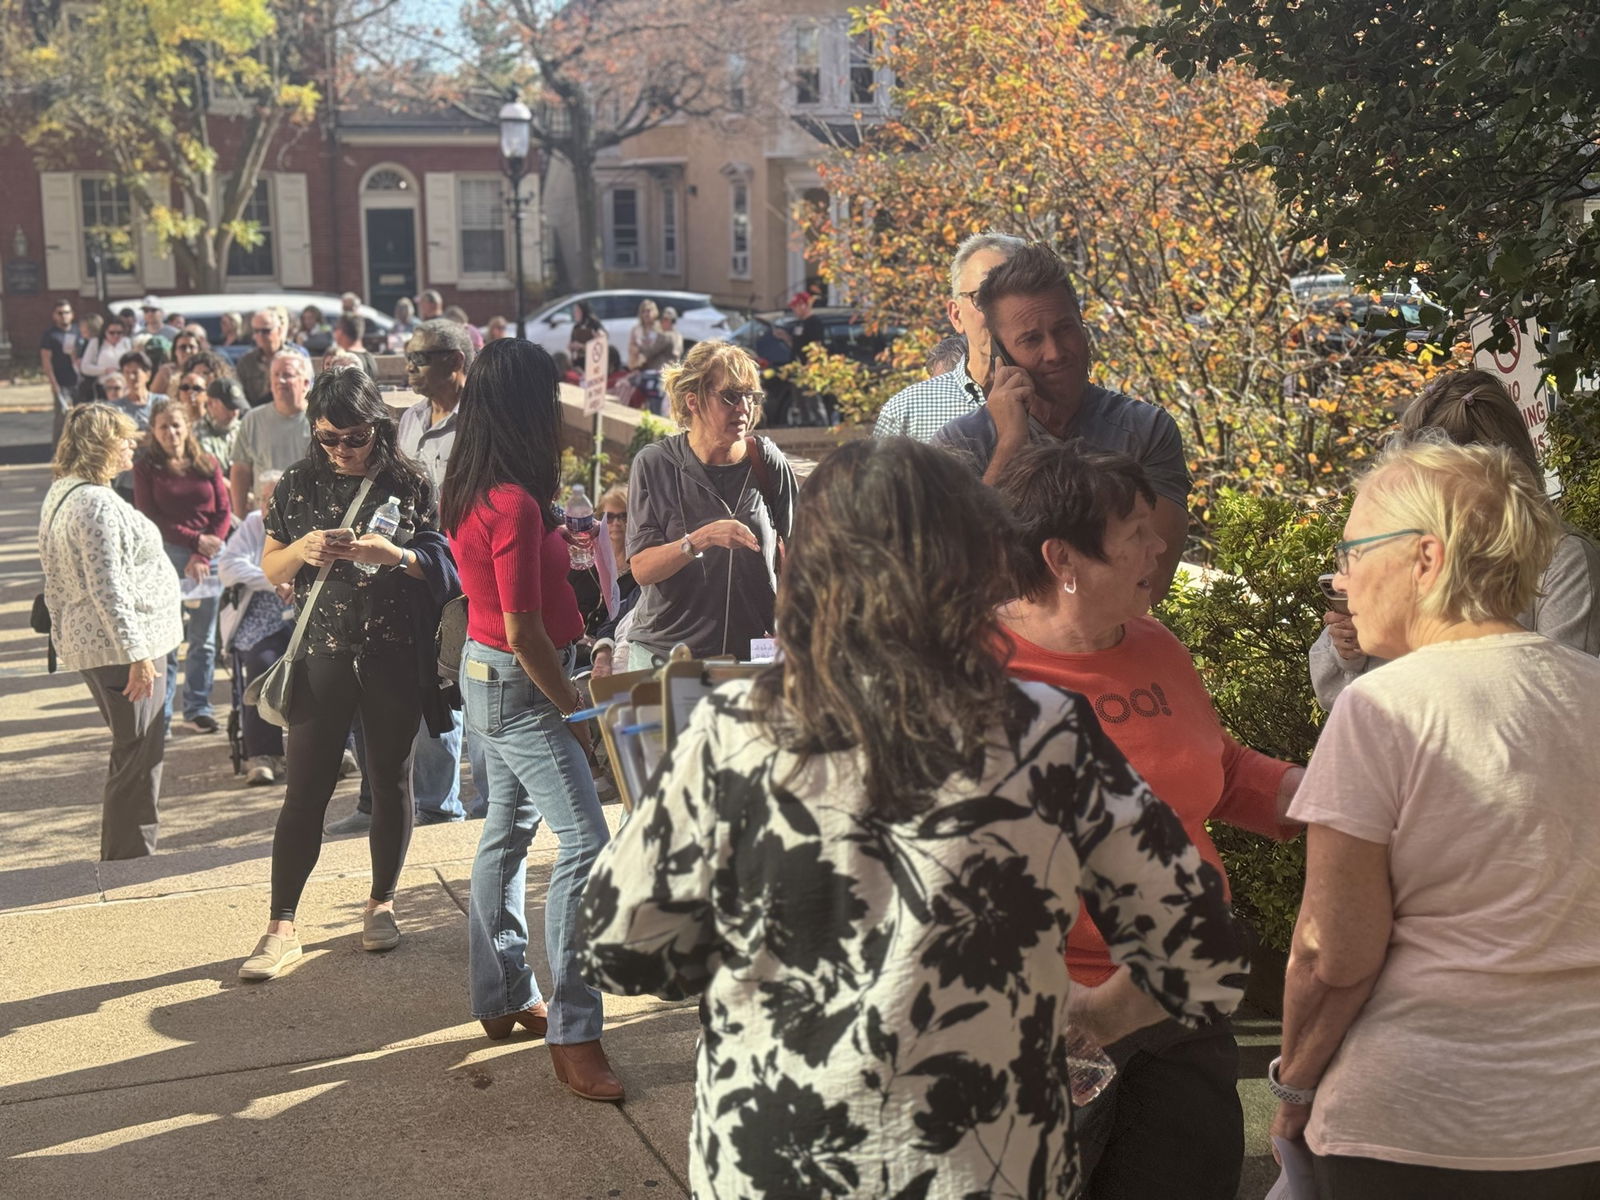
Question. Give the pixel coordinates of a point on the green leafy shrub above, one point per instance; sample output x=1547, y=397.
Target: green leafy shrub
x=1575, y=455
x=1249, y=626
x=651, y=429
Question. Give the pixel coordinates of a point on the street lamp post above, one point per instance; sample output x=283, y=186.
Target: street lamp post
x=515, y=120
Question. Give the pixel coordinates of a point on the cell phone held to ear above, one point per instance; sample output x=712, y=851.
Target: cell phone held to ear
x=1336, y=600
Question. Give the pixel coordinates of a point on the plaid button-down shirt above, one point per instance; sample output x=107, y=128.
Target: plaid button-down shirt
x=923, y=409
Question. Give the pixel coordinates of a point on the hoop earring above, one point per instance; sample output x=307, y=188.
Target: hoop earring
x=1070, y=587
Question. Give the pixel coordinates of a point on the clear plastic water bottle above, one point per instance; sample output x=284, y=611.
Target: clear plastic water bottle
x=580, y=524
x=1089, y=1069
x=385, y=521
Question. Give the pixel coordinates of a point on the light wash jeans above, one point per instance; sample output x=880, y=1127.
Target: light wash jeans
x=436, y=774
x=200, y=663
x=536, y=769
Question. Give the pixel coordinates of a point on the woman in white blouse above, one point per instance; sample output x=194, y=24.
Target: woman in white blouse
x=114, y=613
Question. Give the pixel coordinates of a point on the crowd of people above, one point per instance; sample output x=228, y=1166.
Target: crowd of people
x=962, y=822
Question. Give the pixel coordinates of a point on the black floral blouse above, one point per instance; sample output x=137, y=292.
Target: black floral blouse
x=884, y=1002
x=357, y=612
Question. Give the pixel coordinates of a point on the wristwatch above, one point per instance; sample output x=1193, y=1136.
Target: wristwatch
x=688, y=548
x=1289, y=1095
x=407, y=557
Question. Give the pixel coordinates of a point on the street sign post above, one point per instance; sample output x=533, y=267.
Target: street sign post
x=1518, y=369
x=595, y=361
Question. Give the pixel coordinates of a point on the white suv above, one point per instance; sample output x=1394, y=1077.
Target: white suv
x=618, y=311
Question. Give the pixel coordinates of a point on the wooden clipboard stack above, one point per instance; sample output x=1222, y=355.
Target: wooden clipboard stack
x=641, y=713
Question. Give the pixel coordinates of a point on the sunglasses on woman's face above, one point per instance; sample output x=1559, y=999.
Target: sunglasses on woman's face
x=191, y=387
x=350, y=441
x=613, y=518
x=736, y=399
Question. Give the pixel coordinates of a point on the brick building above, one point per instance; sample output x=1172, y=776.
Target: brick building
x=382, y=204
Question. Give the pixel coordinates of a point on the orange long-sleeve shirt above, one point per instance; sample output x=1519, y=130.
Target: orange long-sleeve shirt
x=1153, y=705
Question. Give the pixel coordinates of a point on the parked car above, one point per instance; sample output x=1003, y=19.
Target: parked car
x=1356, y=323
x=206, y=311
x=618, y=310
x=770, y=337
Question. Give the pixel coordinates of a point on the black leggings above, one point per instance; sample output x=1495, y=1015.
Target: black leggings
x=1348, y=1178
x=383, y=689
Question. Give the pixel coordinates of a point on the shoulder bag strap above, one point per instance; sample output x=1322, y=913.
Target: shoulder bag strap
x=762, y=473
x=322, y=575
x=56, y=511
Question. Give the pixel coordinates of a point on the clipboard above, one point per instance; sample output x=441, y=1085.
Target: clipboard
x=685, y=684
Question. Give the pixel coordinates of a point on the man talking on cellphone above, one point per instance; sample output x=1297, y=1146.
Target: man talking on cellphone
x=1039, y=389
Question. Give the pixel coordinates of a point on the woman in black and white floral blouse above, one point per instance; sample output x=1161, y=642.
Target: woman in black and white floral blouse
x=868, y=859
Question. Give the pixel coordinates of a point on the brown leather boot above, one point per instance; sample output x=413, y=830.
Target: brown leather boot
x=583, y=1068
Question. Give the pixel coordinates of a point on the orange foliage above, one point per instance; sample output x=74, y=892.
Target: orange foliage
x=1028, y=116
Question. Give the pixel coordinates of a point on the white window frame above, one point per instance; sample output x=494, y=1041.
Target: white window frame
x=671, y=232
x=245, y=283
x=739, y=260
x=614, y=260
x=485, y=280
x=835, y=57
x=801, y=30
x=118, y=280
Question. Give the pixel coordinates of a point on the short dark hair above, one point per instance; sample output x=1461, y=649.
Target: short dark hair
x=1067, y=491
x=140, y=357
x=1032, y=271
x=209, y=360
x=228, y=392
x=353, y=326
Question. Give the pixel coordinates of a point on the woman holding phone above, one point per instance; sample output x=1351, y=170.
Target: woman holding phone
x=361, y=644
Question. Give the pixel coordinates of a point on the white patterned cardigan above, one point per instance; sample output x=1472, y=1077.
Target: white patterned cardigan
x=883, y=1001
x=111, y=590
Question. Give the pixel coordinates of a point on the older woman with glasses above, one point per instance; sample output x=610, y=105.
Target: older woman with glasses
x=1442, y=1005
x=709, y=508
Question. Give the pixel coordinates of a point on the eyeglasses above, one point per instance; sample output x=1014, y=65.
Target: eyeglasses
x=970, y=297
x=615, y=518
x=739, y=399
x=1342, y=555
x=117, y=329
x=191, y=387
x=262, y=330
x=421, y=358
x=350, y=441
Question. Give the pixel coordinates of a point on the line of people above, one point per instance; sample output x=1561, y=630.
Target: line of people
x=964, y=816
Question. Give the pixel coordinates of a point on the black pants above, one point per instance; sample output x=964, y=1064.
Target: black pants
x=262, y=739
x=128, y=815
x=1341, y=1177
x=1169, y=1126
x=384, y=690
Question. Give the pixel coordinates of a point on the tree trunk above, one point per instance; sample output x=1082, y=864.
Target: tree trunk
x=586, y=256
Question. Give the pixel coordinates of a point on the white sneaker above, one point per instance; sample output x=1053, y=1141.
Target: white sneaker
x=261, y=773
x=348, y=765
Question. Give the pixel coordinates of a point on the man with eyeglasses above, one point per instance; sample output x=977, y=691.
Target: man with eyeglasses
x=274, y=436
x=57, y=345
x=268, y=334
x=924, y=408
x=437, y=357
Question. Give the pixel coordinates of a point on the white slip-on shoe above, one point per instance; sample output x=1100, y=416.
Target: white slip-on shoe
x=273, y=953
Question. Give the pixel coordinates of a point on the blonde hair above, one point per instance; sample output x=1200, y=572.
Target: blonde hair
x=617, y=491
x=1490, y=511
x=709, y=363
x=91, y=442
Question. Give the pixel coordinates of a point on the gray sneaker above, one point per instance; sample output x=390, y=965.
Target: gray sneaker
x=379, y=931
x=273, y=953
x=356, y=822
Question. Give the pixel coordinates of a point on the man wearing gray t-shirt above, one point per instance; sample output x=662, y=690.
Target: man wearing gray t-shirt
x=1039, y=389
x=274, y=436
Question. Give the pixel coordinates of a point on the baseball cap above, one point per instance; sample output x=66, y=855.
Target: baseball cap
x=148, y=303
x=228, y=392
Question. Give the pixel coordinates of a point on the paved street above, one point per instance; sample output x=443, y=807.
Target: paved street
x=134, y=1062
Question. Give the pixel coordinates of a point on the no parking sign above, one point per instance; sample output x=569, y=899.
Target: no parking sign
x=1518, y=369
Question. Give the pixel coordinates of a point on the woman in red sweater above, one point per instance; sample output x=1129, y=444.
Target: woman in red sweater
x=523, y=626
x=180, y=487
x=1170, y=1124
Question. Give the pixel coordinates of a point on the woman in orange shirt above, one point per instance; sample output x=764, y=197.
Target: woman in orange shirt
x=1170, y=1124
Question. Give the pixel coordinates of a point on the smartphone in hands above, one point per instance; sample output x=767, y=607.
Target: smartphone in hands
x=340, y=537
x=1336, y=600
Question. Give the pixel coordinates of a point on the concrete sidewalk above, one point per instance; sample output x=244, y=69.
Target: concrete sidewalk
x=132, y=1061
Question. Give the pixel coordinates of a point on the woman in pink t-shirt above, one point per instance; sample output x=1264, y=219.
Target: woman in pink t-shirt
x=1442, y=1009
x=522, y=628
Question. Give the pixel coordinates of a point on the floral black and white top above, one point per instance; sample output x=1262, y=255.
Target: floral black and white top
x=884, y=1002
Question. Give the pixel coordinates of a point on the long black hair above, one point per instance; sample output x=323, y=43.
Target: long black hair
x=346, y=397
x=508, y=430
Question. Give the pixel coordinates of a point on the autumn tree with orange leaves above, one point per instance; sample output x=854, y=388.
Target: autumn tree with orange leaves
x=1029, y=117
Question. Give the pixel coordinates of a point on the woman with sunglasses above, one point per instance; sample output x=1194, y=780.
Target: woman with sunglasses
x=361, y=647
x=708, y=509
x=184, y=347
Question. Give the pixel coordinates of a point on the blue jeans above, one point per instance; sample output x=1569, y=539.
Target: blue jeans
x=536, y=769
x=199, y=665
x=436, y=774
